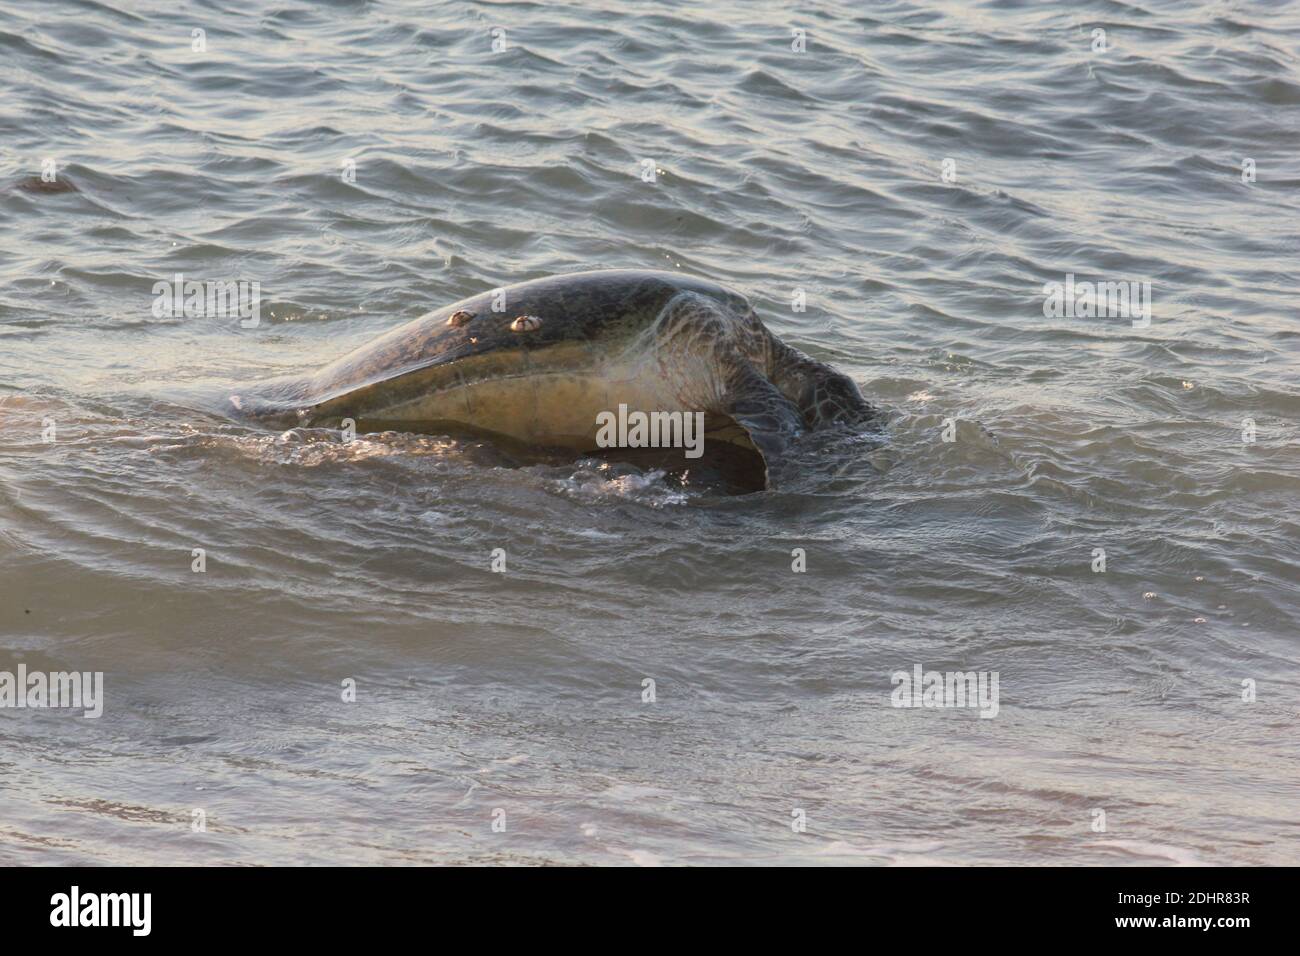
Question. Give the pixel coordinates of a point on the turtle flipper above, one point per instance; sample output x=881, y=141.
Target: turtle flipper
x=697, y=334
x=770, y=419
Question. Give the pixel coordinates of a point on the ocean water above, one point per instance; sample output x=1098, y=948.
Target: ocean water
x=1100, y=509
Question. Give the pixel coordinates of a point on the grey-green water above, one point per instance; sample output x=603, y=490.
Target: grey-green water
x=823, y=171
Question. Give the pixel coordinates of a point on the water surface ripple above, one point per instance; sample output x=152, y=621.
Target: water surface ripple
x=778, y=171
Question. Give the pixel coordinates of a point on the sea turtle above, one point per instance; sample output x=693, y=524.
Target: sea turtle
x=542, y=361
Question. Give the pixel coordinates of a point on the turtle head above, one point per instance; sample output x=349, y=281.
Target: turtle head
x=824, y=396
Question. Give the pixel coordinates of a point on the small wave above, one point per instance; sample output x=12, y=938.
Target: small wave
x=596, y=480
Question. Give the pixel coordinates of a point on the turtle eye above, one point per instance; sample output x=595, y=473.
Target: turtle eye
x=526, y=323
x=459, y=318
